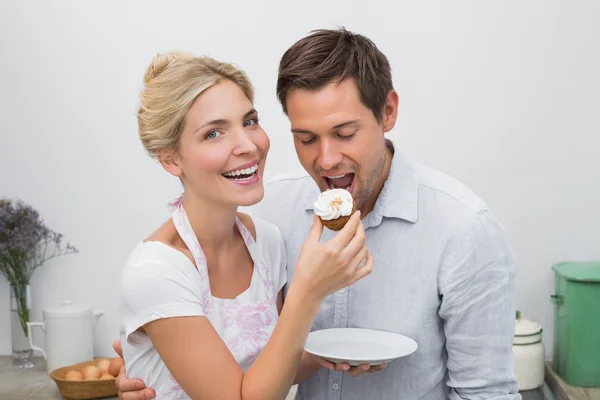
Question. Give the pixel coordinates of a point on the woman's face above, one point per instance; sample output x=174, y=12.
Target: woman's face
x=222, y=149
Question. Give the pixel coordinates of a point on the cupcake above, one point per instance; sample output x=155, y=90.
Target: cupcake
x=334, y=207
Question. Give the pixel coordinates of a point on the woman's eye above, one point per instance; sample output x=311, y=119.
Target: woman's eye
x=250, y=122
x=213, y=134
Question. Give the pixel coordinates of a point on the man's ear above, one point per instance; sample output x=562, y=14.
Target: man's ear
x=169, y=161
x=390, y=111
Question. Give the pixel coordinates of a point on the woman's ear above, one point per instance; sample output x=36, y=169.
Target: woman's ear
x=169, y=161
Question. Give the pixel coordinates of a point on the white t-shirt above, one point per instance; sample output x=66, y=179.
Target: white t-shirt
x=161, y=282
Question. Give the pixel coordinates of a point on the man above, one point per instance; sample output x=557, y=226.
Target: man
x=445, y=271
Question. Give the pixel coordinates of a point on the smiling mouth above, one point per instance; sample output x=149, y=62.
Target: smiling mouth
x=244, y=174
x=341, y=181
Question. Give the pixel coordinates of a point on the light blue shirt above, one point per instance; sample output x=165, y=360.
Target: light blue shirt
x=443, y=275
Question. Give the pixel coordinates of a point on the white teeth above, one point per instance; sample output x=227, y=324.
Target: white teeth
x=245, y=171
x=244, y=179
x=331, y=186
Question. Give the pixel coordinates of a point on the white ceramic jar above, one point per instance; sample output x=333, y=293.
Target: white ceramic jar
x=68, y=333
x=528, y=351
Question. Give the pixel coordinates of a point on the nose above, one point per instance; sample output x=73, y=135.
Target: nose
x=329, y=155
x=243, y=143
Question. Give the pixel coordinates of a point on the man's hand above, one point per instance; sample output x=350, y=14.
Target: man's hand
x=353, y=371
x=130, y=389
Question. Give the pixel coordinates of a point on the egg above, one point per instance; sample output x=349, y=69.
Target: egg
x=90, y=372
x=73, y=375
x=103, y=366
x=115, y=366
x=106, y=376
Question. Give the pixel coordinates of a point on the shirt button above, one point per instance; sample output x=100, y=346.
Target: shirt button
x=342, y=290
x=335, y=386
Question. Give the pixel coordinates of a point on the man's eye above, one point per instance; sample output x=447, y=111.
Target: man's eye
x=347, y=137
x=213, y=134
x=309, y=141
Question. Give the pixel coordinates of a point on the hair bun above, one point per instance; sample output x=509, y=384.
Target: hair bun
x=163, y=61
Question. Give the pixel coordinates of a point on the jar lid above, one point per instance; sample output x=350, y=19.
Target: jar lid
x=579, y=271
x=526, y=327
x=67, y=310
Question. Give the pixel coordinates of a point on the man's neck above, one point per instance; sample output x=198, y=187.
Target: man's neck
x=372, y=199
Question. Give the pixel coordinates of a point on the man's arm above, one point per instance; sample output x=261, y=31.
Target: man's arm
x=477, y=288
x=130, y=389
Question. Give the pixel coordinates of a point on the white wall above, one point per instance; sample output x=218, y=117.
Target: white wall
x=502, y=95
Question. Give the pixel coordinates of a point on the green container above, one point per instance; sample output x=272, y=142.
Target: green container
x=577, y=323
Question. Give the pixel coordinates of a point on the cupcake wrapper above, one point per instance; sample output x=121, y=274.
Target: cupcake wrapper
x=338, y=223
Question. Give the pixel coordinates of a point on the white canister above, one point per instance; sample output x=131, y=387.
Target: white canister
x=528, y=351
x=68, y=333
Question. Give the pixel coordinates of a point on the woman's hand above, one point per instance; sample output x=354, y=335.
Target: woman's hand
x=322, y=269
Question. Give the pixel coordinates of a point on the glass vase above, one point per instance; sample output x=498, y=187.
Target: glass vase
x=20, y=306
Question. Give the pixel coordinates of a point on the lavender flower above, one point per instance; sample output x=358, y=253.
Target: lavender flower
x=26, y=243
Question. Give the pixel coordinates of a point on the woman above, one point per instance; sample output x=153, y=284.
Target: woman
x=202, y=313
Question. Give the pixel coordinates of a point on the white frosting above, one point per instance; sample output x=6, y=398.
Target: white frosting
x=333, y=203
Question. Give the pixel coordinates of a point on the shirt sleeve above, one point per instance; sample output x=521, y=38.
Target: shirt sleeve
x=478, y=310
x=154, y=290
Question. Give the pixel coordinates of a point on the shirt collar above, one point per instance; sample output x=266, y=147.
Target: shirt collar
x=398, y=197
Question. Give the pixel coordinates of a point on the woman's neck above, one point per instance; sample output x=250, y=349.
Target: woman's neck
x=213, y=224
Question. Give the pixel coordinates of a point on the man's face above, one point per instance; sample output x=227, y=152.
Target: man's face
x=338, y=140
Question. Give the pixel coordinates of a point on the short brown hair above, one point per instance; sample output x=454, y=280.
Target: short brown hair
x=326, y=56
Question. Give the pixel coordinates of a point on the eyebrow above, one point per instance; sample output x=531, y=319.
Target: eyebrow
x=337, y=127
x=217, y=122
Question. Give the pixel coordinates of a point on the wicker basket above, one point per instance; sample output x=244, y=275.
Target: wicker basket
x=87, y=389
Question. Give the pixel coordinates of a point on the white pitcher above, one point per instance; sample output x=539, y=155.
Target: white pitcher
x=69, y=334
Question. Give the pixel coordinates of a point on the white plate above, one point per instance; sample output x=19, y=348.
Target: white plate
x=357, y=346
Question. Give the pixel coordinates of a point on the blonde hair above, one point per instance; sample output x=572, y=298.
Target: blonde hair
x=172, y=82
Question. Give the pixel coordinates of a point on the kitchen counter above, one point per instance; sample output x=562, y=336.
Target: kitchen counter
x=565, y=392
x=27, y=384
x=35, y=384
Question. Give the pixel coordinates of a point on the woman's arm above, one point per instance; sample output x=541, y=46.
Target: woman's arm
x=204, y=367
